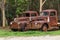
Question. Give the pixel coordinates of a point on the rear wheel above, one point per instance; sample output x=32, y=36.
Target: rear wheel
x=45, y=27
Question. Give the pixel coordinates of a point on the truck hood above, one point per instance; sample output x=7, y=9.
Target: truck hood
x=28, y=19
x=21, y=19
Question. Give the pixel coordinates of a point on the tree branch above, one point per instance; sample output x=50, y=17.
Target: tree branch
x=43, y=2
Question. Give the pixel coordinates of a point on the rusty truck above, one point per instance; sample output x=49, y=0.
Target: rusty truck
x=46, y=20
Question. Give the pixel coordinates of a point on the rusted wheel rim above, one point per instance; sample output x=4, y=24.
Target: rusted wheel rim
x=45, y=28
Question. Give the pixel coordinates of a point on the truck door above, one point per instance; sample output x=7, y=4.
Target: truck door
x=33, y=18
x=53, y=18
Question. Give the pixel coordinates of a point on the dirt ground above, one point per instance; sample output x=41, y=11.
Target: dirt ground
x=48, y=37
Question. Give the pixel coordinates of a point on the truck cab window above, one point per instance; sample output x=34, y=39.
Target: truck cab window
x=52, y=13
x=33, y=14
x=26, y=14
x=44, y=14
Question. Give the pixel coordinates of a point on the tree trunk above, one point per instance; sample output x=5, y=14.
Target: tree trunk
x=3, y=16
x=40, y=5
x=3, y=12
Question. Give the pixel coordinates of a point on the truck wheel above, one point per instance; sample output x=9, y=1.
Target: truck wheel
x=23, y=26
x=59, y=27
x=45, y=27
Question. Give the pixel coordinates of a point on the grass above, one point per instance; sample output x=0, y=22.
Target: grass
x=4, y=33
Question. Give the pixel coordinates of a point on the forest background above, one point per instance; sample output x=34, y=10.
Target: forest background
x=9, y=9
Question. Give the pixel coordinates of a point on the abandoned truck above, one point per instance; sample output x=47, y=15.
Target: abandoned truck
x=47, y=20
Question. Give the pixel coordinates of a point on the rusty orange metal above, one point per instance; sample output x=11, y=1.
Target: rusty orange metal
x=33, y=20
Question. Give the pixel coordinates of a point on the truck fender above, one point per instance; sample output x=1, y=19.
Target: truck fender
x=44, y=25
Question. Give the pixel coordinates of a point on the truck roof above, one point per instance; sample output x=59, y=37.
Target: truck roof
x=49, y=10
x=30, y=12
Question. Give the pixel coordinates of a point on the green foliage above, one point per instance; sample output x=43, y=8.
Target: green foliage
x=16, y=7
x=34, y=5
x=6, y=33
x=10, y=8
x=21, y=6
x=51, y=4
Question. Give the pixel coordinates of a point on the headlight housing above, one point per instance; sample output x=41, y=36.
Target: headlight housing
x=10, y=22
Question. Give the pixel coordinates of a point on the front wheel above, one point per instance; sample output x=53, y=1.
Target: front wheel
x=45, y=27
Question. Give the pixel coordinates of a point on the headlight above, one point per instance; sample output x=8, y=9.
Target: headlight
x=10, y=22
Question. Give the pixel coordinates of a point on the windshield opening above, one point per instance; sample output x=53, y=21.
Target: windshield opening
x=44, y=14
x=52, y=13
x=26, y=15
x=33, y=14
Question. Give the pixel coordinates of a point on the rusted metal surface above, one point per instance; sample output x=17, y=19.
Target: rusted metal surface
x=32, y=20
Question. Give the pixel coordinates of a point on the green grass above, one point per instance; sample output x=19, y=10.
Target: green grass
x=4, y=33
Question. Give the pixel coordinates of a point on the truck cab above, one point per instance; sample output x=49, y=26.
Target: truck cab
x=52, y=18
x=52, y=14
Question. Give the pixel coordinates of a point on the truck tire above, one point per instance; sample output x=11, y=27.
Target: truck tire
x=59, y=27
x=23, y=25
x=45, y=27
